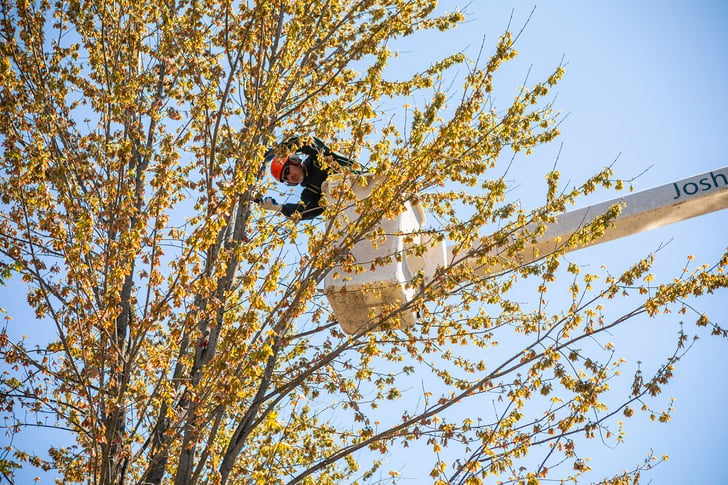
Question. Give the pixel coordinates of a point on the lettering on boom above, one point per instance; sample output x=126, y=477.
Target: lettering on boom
x=713, y=181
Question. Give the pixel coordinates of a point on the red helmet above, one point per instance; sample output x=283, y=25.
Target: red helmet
x=277, y=165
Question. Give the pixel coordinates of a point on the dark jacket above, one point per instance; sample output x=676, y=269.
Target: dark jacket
x=314, y=176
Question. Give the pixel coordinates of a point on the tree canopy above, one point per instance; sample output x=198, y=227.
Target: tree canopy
x=194, y=343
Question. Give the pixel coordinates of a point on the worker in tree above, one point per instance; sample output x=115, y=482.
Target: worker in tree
x=308, y=166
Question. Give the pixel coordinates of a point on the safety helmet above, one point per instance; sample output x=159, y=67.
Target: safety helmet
x=278, y=164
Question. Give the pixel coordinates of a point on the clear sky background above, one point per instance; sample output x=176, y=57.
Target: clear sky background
x=645, y=81
x=645, y=84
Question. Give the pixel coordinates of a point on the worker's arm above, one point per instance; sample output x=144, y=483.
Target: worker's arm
x=308, y=207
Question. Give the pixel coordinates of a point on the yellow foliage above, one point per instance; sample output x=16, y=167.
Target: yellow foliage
x=194, y=343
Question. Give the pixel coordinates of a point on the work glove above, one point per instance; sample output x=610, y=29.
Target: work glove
x=269, y=204
x=269, y=155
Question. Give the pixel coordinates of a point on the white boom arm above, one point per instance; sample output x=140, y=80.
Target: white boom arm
x=357, y=298
x=641, y=211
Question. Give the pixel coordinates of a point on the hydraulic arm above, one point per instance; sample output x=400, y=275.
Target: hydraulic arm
x=357, y=298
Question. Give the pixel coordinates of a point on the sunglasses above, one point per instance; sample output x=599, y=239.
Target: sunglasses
x=286, y=172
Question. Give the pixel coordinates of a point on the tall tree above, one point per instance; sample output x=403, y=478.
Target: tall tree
x=193, y=342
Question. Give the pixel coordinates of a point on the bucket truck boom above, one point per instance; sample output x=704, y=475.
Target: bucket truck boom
x=357, y=298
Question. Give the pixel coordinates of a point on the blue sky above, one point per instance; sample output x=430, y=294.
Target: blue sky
x=645, y=81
